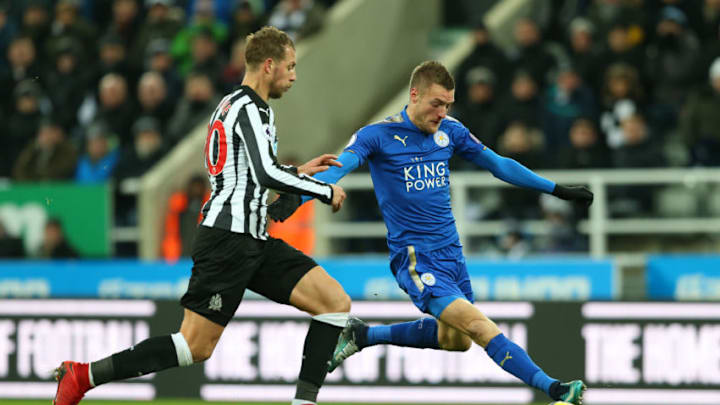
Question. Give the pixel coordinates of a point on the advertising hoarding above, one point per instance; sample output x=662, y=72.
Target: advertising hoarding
x=628, y=353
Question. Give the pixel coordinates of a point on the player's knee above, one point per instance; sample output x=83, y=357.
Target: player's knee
x=201, y=353
x=482, y=331
x=340, y=303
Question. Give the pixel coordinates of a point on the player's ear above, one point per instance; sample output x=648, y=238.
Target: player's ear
x=267, y=65
x=414, y=95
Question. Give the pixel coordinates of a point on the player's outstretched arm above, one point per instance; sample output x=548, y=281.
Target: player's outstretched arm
x=282, y=208
x=510, y=171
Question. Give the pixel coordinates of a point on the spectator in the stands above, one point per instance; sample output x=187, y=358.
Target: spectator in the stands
x=522, y=103
x=115, y=107
x=485, y=53
x=532, y=53
x=125, y=21
x=565, y=100
x=619, y=49
x=583, y=50
x=67, y=83
x=114, y=59
x=563, y=236
x=22, y=65
x=203, y=18
x=153, y=98
x=11, y=246
x=639, y=148
x=479, y=113
x=35, y=23
x=299, y=18
x=710, y=17
x=206, y=57
x=68, y=22
x=22, y=124
x=55, y=244
x=8, y=30
x=586, y=150
x=524, y=144
x=622, y=96
x=159, y=24
x=99, y=161
x=195, y=107
x=182, y=218
x=146, y=150
x=671, y=58
x=158, y=59
x=606, y=14
x=48, y=157
x=234, y=71
x=246, y=19
x=700, y=121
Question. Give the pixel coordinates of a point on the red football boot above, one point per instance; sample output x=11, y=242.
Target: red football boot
x=73, y=382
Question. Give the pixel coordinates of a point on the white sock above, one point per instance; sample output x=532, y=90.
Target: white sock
x=90, y=377
x=302, y=402
x=182, y=349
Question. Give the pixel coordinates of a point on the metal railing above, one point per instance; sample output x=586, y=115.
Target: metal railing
x=598, y=226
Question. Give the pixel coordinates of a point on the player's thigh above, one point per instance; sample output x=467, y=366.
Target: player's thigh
x=318, y=293
x=467, y=318
x=451, y=338
x=201, y=334
x=288, y=276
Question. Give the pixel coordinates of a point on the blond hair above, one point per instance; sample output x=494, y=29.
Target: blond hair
x=268, y=42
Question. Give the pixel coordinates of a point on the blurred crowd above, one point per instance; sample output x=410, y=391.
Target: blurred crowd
x=98, y=90
x=101, y=90
x=597, y=84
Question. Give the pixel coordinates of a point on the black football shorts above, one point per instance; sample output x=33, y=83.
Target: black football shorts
x=226, y=263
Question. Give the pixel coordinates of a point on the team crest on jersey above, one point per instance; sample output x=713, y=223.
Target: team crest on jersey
x=441, y=139
x=428, y=279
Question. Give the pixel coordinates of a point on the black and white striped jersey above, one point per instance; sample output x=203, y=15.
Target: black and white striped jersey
x=241, y=159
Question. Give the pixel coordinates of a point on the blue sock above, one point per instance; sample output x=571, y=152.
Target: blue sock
x=513, y=359
x=421, y=333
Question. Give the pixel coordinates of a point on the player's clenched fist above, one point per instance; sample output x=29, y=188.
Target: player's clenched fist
x=338, y=197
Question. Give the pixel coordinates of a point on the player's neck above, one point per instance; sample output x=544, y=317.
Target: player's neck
x=260, y=86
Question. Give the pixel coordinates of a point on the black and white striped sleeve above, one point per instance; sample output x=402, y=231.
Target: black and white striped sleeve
x=264, y=167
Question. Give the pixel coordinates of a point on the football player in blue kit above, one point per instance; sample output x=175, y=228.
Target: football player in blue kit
x=408, y=156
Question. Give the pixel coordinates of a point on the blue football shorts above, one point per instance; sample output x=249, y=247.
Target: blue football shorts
x=434, y=278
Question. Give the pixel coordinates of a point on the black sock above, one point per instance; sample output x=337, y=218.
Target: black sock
x=361, y=339
x=317, y=352
x=148, y=356
x=557, y=390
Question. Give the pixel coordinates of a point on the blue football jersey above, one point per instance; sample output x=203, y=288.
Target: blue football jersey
x=411, y=176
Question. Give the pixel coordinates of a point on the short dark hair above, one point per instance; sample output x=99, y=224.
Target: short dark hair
x=431, y=72
x=268, y=42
